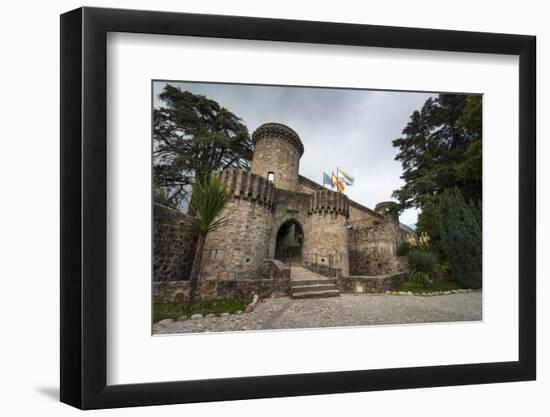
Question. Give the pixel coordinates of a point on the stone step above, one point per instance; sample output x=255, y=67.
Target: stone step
x=301, y=295
x=314, y=287
x=304, y=282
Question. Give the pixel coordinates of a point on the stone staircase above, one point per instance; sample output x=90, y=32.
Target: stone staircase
x=307, y=284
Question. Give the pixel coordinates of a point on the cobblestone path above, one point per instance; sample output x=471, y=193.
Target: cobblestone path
x=346, y=310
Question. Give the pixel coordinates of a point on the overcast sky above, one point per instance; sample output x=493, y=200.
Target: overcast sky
x=350, y=129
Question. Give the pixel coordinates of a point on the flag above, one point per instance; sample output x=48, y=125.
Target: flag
x=346, y=178
x=337, y=183
x=326, y=179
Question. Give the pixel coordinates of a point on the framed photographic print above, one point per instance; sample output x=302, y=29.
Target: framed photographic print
x=256, y=208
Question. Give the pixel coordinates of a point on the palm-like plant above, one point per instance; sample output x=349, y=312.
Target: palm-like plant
x=208, y=199
x=422, y=266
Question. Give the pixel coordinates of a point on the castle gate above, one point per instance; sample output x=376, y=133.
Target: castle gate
x=290, y=238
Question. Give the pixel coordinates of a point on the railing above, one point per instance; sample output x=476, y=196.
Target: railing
x=290, y=261
x=318, y=259
x=327, y=265
x=275, y=268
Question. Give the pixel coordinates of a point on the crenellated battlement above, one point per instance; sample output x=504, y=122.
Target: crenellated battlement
x=249, y=186
x=327, y=201
x=278, y=130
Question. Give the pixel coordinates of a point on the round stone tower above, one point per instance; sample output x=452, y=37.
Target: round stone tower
x=236, y=250
x=277, y=153
x=387, y=208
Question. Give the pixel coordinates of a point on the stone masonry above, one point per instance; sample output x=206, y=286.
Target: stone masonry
x=277, y=218
x=374, y=247
x=174, y=246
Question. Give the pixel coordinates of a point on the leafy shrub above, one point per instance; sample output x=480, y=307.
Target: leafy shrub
x=403, y=249
x=461, y=238
x=422, y=266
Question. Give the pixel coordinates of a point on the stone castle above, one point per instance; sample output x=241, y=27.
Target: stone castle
x=279, y=222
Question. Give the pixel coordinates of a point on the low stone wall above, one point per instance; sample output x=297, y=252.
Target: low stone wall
x=325, y=270
x=273, y=268
x=275, y=282
x=178, y=291
x=371, y=283
x=170, y=291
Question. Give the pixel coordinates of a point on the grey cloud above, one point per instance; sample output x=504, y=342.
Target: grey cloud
x=351, y=129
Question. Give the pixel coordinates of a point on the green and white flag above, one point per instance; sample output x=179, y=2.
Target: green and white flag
x=348, y=179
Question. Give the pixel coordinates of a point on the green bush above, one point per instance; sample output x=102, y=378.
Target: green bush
x=422, y=266
x=461, y=238
x=403, y=249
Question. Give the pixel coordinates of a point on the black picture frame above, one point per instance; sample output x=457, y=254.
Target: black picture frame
x=84, y=207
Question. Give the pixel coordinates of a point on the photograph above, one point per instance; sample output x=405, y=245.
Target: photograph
x=299, y=207
x=243, y=208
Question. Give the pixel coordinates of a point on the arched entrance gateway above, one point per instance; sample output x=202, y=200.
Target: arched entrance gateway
x=290, y=238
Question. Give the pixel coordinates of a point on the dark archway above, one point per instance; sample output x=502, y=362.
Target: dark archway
x=290, y=238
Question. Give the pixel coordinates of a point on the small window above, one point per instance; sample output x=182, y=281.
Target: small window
x=271, y=176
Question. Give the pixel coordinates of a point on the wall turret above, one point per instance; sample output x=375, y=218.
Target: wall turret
x=236, y=250
x=388, y=209
x=328, y=201
x=277, y=153
x=243, y=184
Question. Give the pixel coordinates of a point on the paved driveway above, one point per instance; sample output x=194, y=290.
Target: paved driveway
x=346, y=310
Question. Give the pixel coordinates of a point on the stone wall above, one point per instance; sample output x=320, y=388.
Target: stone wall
x=371, y=284
x=305, y=185
x=316, y=264
x=363, y=215
x=178, y=291
x=326, y=234
x=274, y=282
x=326, y=241
x=173, y=245
x=373, y=249
x=238, y=248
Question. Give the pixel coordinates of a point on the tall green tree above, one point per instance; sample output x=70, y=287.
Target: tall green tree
x=428, y=222
x=192, y=137
x=461, y=237
x=468, y=170
x=210, y=196
x=441, y=149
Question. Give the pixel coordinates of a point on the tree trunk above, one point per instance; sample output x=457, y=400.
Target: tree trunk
x=195, y=270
